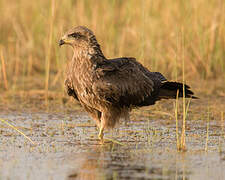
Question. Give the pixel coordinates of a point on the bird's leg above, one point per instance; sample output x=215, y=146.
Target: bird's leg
x=102, y=127
x=101, y=134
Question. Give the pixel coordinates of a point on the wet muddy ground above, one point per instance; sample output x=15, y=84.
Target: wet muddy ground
x=66, y=145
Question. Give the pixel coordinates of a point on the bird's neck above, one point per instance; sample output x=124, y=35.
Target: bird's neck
x=88, y=57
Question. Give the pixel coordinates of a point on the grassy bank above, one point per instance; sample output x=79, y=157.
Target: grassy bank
x=158, y=33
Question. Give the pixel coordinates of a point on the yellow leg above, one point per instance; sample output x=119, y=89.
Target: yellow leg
x=102, y=127
x=101, y=134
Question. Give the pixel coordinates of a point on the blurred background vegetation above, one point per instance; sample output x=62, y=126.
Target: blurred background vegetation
x=160, y=34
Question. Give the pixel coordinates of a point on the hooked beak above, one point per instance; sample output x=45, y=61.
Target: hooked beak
x=61, y=42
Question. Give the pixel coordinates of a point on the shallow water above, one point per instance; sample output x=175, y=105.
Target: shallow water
x=67, y=148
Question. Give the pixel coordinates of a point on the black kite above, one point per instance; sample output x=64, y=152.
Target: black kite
x=108, y=89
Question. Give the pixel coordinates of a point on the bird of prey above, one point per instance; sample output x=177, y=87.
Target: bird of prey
x=108, y=89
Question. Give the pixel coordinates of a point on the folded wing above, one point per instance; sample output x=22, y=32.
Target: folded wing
x=125, y=82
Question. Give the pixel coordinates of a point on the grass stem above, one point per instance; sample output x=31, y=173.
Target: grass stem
x=48, y=55
x=183, y=134
x=4, y=71
x=177, y=125
x=10, y=125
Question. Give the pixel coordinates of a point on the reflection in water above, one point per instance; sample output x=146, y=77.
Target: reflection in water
x=99, y=163
x=110, y=162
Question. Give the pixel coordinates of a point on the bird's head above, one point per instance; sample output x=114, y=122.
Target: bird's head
x=83, y=42
x=78, y=37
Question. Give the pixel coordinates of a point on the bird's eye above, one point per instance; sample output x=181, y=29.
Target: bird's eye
x=75, y=35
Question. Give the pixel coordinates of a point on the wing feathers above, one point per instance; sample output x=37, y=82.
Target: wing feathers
x=128, y=85
x=125, y=82
x=169, y=90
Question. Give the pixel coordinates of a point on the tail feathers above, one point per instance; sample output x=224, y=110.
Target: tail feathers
x=168, y=90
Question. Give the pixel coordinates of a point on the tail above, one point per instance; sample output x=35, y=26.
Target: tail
x=168, y=90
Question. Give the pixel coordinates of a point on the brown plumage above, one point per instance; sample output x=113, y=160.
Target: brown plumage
x=108, y=89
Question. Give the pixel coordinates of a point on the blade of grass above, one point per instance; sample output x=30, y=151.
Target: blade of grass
x=183, y=134
x=188, y=104
x=48, y=55
x=222, y=137
x=176, y=116
x=17, y=66
x=4, y=71
x=10, y=125
x=222, y=125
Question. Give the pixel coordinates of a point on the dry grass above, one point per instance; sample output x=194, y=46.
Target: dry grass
x=15, y=128
x=148, y=30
